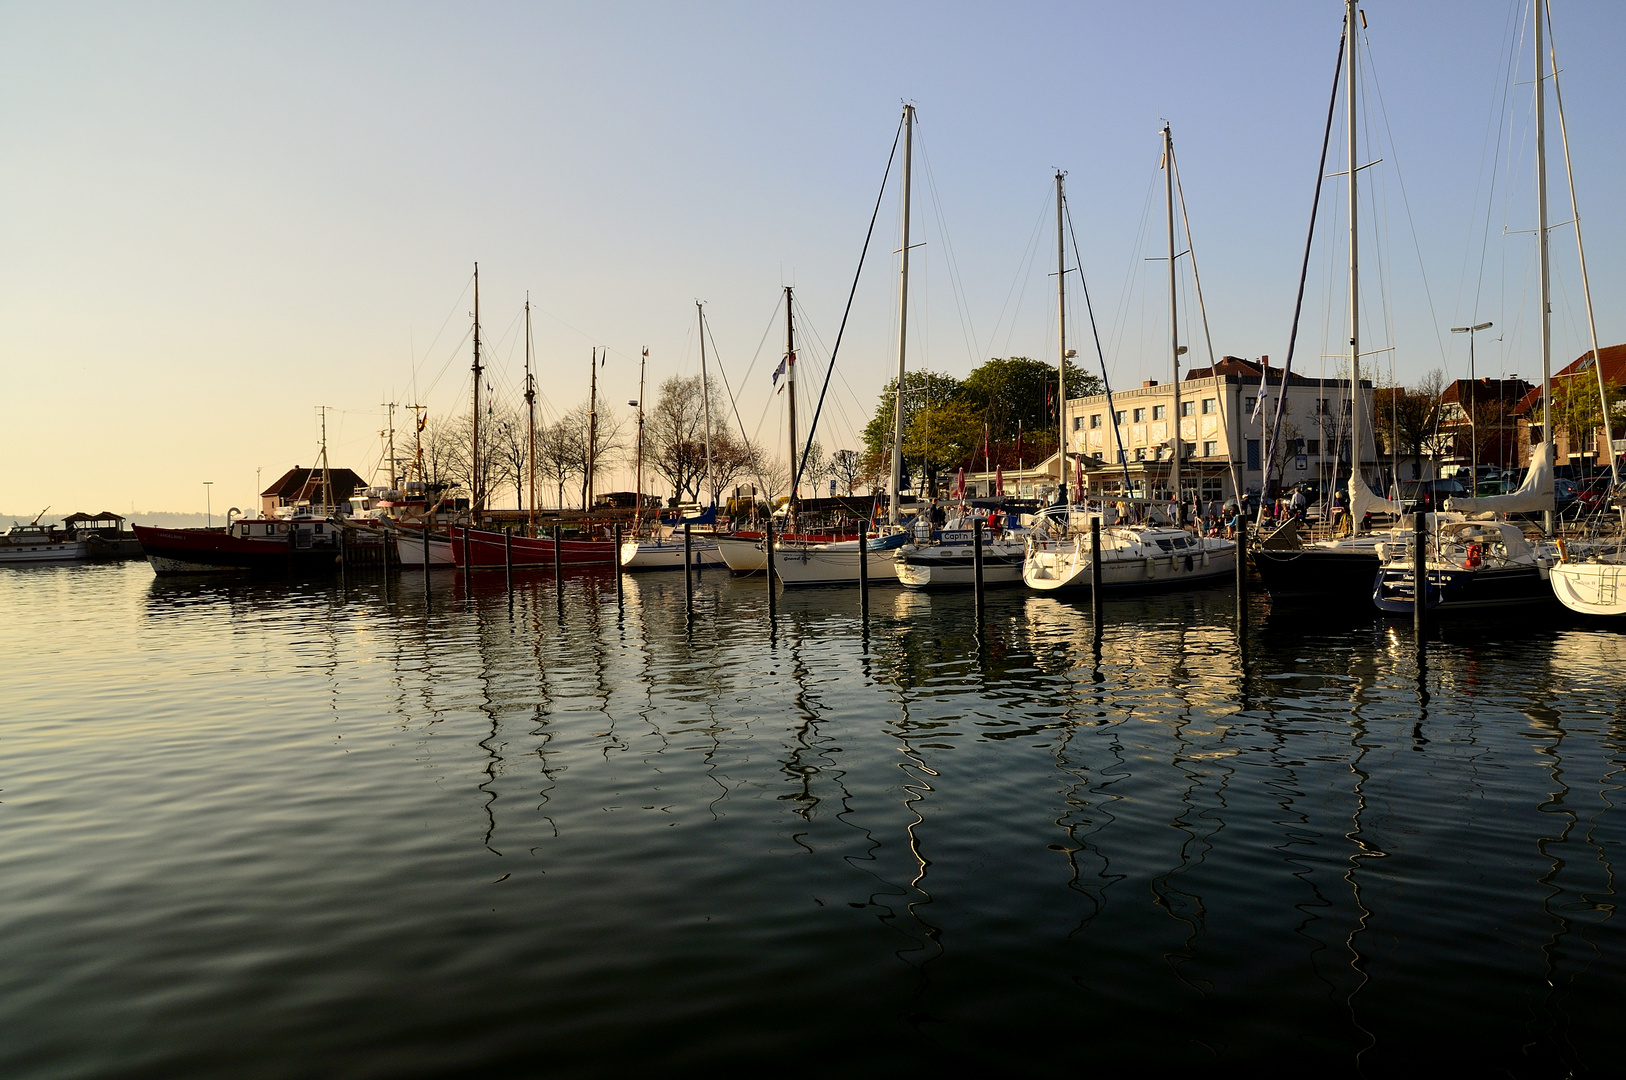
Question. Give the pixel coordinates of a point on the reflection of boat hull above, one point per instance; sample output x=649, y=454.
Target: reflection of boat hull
x=956, y=566
x=1339, y=577
x=1454, y=589
x=1065, y=567
x=27, y=554
x=206, y=551
x=1592, y=588
x=666, y=553
x=479, y=549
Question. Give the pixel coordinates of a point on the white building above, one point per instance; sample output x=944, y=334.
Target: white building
x=1221, y=438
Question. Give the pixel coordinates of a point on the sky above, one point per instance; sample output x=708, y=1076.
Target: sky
x=217, y=218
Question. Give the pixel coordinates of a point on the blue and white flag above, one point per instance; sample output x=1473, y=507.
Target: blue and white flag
x=780, y=370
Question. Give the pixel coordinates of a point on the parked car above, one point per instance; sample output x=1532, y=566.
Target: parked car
x=1431, y=494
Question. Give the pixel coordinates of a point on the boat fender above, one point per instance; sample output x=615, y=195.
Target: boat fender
x=1151, y=567
x=1474, y=556
x=1205, y=556
x=1188, y=564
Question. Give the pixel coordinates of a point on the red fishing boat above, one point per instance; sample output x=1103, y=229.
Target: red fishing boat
x=485, y=549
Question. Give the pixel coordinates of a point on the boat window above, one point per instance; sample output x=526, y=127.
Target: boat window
x=1166, y=545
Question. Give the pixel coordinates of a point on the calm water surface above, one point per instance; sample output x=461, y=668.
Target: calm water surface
x=273, y=830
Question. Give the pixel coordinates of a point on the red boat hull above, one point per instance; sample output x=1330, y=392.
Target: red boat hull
x=202, y=551
x=480, y=549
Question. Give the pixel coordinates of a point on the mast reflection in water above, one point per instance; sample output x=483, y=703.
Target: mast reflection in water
x=252, y=827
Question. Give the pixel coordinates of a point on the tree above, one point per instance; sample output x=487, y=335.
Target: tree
x=1576, y=410
x=921, y=389
x=1006, y=392
x=557, y=454
x=940, y=435
x=733, y=458
x=847, y=466
x=675, y=435
x=508, y=452
x=607, y=443
x=1409, y=420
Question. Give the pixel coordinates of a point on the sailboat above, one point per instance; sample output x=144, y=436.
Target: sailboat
x=665, y=548
x=1476, y=565
x=1059, y=556
x=845, y=562
x=1339, y=573
x=488, y=549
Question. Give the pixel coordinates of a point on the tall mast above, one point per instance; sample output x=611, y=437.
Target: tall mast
x=477, y=489
x=1580, y=250
x=790, y=388
x=1355, y=426
x=705, y=398
x=638, y=516
x=1061, y=325
x=1174, y=317
x=592, y=427
x=1541, y=241
x=327, y=477
x=390, y=405
x=896, y=480
x=530, y=417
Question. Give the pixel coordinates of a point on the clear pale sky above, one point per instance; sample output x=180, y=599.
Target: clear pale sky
x=217, y=217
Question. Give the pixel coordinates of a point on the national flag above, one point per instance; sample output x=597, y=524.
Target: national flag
x=1259, y=403
x=999, y=481
x=423, y=421
x=1019, y=440
x=985, y=441
x=959, y=484
x=780, y=370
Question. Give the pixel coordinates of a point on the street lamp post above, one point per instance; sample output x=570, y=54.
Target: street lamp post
x=208, y=512
x=1473, y=419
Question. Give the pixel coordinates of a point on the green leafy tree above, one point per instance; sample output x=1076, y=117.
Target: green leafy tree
x=921, y=389
x=1017, y=390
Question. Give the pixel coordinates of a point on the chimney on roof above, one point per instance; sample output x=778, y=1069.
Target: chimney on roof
x=1149, y=382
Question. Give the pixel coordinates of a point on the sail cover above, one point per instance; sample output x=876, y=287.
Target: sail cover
x=1363, y=500
x=1536, y=493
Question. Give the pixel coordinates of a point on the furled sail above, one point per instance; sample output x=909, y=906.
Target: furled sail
x=1363, y=500
x=1535, y=494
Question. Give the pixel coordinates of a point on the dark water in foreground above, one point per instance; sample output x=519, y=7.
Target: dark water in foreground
x=272, y=830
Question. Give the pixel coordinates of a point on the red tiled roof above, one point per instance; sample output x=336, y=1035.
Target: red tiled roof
x=1614, y=369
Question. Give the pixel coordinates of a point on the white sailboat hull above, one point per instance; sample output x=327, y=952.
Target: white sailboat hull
x=835, y=564
x=954, y=566
x=743, y=556
x=666, y=553
x=1056, y=566
x=1593, y=588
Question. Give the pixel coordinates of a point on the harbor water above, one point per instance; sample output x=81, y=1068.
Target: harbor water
x=378, y=828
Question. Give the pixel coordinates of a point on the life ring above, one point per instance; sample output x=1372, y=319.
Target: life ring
x=1474, y=556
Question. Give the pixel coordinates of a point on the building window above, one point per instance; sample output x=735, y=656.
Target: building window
x=1346, y=406
x=1313, y=448
x=1160, y=412
x=1253, y=455
x=1118, y=417
x=1095, y=420
x=1210, y=449
x=1249, y=404
x=1321, y=407
x=1140, y=416
x=1140, y=454
x=1078, y=422
x=1186, y=407
x=1210, y=406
